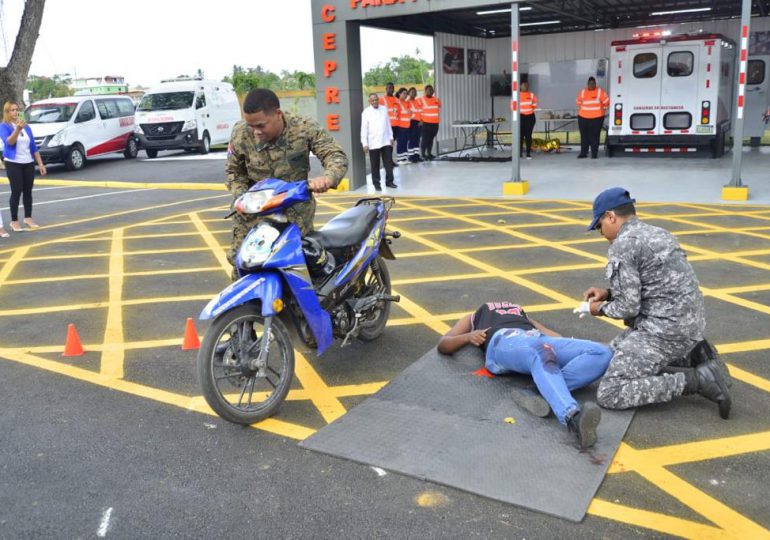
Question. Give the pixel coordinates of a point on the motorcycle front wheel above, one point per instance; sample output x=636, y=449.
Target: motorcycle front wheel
x=235, y=390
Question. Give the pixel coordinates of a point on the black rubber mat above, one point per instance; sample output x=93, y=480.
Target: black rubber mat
x=438, y=421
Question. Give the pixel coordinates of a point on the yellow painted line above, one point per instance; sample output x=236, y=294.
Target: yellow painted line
x=13, y=261
x=53, y=279
x=734, y=523
x=66, y=257
x=437, y=279
x=690, y=452
x=654, y=521
x=112, y=357
x=421, y=313
x=745, y=289
x=272, y=425
x=454, y=231
x=197, y=186
x=211, y=242
x=749, y=378
x=326, y=403
x=748, y=304
x=83, y=237
x=99, y=305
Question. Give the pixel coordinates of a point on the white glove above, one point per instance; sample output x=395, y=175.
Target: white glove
x=583, y=309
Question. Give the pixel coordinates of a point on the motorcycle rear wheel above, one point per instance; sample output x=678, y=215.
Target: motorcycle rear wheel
x=230, y=387
x=378, y=281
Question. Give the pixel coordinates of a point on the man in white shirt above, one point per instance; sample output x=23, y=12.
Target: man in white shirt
x=377, y=140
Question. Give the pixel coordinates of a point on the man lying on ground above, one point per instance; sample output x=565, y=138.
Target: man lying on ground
x=514, y=343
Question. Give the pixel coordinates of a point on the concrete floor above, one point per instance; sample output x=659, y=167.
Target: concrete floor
x=650, y=178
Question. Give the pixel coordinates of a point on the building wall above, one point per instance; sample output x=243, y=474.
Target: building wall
x=463, y=96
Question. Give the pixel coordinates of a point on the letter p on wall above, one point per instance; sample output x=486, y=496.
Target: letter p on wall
x=330, y=66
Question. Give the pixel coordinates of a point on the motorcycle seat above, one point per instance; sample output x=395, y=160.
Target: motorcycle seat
x=348, y=228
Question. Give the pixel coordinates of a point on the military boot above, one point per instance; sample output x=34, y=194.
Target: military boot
x=706, y=380
x=583, y=424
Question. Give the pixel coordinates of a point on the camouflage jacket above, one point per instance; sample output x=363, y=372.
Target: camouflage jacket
x=652, y=285
x=287, y=158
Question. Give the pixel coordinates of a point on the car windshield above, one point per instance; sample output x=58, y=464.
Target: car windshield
x=48, y=113
x=167, y=101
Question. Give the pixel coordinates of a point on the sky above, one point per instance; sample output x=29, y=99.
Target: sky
x=149, y=40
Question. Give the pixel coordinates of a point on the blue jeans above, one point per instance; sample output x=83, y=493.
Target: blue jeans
x=575, y=363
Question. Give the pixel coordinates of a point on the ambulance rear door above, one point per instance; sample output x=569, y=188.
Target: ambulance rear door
x=680, y=69
x=757, y=94
x=641, y=95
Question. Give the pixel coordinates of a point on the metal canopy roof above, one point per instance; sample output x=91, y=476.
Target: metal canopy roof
x=573, y=16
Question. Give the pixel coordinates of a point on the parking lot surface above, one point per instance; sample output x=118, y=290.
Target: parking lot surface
x=122, y=435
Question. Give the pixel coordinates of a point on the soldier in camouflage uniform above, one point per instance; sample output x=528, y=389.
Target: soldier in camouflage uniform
x=653, y=288
x=270, y=143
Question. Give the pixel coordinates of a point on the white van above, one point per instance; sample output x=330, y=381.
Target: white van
x=188, y=114
x=71, y=129
x=671, y=94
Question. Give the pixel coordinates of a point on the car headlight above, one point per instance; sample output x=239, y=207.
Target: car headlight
x=258, y=245
x=190, y=125
x=57, y=140
x=138, y=129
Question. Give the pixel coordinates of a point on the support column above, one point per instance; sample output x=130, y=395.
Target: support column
x=339, y=88
x=516, y=186
x=735, y=190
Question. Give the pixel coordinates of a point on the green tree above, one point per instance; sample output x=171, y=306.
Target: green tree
x=244, y=80
x=404, y=69
x=47, y=87
x=12, y=76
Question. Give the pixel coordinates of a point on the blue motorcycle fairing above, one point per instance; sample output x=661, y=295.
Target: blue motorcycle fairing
x=366, y=253
x=318, y=319
x=265, y=286
x=296, y=192
x=287, y=257
x=287, y=249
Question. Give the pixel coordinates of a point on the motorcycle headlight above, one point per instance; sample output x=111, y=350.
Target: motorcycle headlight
x=254, y=202
x=57, y=140
x=190, y=125
x=138, y=129
x=258, y=245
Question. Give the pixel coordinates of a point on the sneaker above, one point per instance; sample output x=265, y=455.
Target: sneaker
x=531, y=401
x=583, y=424
x=529, y=157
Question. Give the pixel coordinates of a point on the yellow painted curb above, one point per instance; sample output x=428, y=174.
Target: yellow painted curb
x=735, y=193
x=344, y=185
x=516, y=188
x=203, y=186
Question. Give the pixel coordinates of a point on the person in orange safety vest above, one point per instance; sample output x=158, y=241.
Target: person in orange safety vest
x=413, y=144
x=403, y=121
x=430, y=114
x=592, y=103
x=527, y=108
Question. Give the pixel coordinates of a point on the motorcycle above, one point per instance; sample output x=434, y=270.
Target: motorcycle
x=333, y=283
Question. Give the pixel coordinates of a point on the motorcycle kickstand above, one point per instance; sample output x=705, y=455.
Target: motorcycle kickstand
x=345, y=342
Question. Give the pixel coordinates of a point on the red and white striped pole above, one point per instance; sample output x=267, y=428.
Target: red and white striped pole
x=743, y=60
x=515, y=119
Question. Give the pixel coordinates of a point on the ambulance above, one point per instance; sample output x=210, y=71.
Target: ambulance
x=671, y=94
x=72, y=129
x=189, y=114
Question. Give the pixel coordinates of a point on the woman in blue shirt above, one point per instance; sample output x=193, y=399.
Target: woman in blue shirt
x=19, y=154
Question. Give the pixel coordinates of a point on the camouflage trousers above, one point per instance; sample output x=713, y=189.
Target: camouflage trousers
x=302, y=214
x=633, y=377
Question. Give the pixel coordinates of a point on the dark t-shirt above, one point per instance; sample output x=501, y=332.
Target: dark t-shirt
x=498, y=315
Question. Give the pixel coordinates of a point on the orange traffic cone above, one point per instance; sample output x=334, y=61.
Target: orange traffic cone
x=72, y=347
x=191, y=340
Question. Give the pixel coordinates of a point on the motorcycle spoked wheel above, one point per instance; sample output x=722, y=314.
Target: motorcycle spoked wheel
x=230, y=387
x=377, y=282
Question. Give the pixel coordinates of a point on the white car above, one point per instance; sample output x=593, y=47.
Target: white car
x=72, y=129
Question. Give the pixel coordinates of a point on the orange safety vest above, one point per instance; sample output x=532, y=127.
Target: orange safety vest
x=414, y=104
x=592, y=103
x=391, y=103
x=404, y=114
x=527, y=103
x=431, y=108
